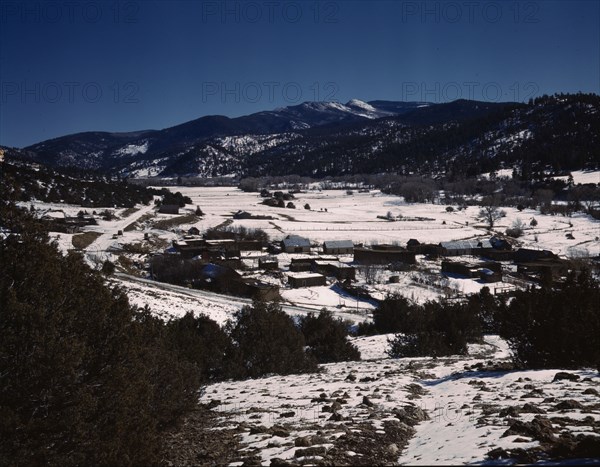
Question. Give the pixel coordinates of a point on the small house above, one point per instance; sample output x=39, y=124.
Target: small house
x=58, y=221
x=304, y=279
x=338, y=247
x=189, y=248
x=269, y=263
x=459, y=268
x=222, y=244
x=168, y=209
x=295, y=244
x=224, y=279
x=81, y=220
x=247, y=215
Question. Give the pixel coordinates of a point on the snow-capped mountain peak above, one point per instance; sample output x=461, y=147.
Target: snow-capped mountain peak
x=357, y=103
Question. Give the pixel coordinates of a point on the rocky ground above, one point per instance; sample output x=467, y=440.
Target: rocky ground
x=196, y=441
x=385, y=411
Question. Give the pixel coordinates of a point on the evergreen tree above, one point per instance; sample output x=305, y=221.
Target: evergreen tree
x=266, y=340
x=84, y=378
x=555, y=328
x=327, y=338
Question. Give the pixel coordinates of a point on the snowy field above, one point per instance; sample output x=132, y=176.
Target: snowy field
x=468, y=411
x=583, y=177
x=579, y=176
x=335, y=215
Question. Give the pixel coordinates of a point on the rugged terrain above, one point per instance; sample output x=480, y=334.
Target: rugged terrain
x=560, y=132
x=383, y=411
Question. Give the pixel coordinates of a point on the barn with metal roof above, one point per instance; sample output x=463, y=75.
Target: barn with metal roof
x=471, y=246
x=295, y=244
x=338, y=247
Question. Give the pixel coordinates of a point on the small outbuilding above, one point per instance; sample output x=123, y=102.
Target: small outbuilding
x=424, y=248
x=412, y=244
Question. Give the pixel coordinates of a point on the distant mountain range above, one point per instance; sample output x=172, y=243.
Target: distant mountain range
x=330, y=138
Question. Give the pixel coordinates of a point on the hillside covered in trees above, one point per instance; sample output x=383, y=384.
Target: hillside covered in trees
x=463, y=137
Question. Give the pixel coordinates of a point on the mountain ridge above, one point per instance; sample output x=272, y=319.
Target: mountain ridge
x=330, y=138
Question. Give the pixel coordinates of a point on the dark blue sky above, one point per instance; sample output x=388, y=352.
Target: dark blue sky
x=70, y=66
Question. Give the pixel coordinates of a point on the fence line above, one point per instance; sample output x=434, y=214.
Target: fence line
x=342, y=229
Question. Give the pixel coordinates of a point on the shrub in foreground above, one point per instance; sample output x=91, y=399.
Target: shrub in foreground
x=266, y=340
x=327, y=338
x=555, y=328
x=201, y=342
x=435, y=329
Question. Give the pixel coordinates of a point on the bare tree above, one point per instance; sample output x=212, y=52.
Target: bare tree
x=371, y=273
x=490, y=211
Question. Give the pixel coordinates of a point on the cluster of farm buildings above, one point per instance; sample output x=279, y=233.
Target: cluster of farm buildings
x=302, y=263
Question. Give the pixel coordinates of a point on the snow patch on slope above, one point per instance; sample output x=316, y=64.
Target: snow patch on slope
x=133, y=149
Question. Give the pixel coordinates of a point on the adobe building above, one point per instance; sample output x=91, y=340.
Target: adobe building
x=306, y=279
x=383, y=254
